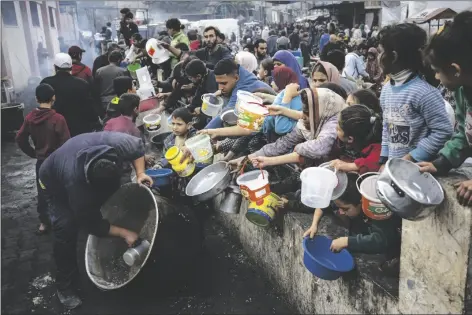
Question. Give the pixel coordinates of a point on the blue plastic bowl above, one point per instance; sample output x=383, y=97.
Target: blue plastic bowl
x=322, y=262
x=160, y=177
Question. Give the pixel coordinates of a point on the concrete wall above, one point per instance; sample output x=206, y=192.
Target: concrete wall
x=15, y=51
x=433, y=274
x=20, y=43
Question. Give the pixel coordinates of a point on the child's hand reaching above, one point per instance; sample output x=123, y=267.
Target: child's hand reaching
x=339, y=244
x=311, y=231
x=260, y=161
x=344, y=166
x=282, y=203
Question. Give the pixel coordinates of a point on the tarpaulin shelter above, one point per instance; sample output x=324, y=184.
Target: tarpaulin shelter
x=428, y=15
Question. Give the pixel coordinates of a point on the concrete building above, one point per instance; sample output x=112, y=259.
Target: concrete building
x=28, y=28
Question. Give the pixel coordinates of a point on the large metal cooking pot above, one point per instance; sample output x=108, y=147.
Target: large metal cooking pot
x=232, y=201
x=209, y=182
x=12, y=117
x=158, y=140
x=407, y=192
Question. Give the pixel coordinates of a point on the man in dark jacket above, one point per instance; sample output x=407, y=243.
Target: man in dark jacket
x=272, y=43
x=77, y=179
x=212, y=52
x=127, y=26
x=73, y=97
x=294, y=40
x=102, y=60
x=205, y=82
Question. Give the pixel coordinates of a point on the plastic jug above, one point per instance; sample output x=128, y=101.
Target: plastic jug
x=317, y=186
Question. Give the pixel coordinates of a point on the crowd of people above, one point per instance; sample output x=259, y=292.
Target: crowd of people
x=86, y=133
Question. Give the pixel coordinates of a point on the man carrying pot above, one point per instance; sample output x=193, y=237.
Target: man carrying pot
x=77, y=180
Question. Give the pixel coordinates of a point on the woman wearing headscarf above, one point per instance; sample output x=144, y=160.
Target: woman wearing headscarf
x=324, y=72
x=286, y=58
x=313, y=136
x=372, y=67
x=247, y=60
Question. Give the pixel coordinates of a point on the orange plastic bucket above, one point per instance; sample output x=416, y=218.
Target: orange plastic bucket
x=371, y=205
x=254, y=185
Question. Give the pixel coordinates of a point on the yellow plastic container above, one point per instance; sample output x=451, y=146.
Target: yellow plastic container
x=185, y=169
x=173, y=156
x=263, y=212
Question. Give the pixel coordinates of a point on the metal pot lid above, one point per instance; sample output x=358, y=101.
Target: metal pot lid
x=342, y=181
x=421, y=187
x=206, y=179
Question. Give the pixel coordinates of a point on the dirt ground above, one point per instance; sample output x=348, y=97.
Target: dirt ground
x=225, y=280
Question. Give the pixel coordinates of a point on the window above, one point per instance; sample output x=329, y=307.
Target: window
x=51, y=17
x=9, y=13
x=34, y=13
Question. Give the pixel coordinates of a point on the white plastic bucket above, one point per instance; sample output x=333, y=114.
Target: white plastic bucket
x=251, y=116
x=152, y=122
x=211, y=109
x=317, y=186
x=200, y=147
x=244, y=97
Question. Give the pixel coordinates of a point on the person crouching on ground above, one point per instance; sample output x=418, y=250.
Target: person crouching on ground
x=77, y=179
x=49, y=131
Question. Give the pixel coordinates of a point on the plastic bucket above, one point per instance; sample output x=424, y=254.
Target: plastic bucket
x=251, y=116
x=173, y=156
x=263, y=212
x=200, y=147
x=152, y=122
x=371, y=204
x=185, y=169
x=211, y=105
x=160, y=177
x=132, y=67
x=148, y=104
x=322, y=262
x=318, y=184
x=246, y=97
x=254, y=185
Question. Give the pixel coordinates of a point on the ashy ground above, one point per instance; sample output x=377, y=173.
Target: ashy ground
x=225, y=280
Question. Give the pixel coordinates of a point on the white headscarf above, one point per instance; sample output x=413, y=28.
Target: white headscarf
x=247, y=60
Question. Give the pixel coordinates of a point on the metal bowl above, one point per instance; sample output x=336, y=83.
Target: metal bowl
x=342, y=181
x=229, y=118
x=209, y=182
x=158, y=140
x=407, y=192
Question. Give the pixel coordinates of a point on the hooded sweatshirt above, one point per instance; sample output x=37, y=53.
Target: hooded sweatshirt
x=247, y=82
x=48, y=131
x=64, y=175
